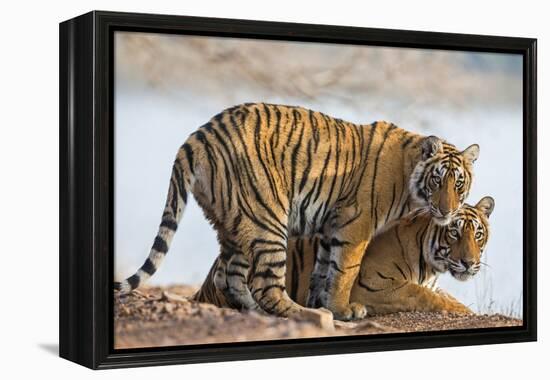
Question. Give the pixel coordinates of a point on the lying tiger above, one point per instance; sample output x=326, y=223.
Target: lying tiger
x=400, y=268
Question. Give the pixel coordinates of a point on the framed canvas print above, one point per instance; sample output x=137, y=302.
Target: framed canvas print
x=237, y=189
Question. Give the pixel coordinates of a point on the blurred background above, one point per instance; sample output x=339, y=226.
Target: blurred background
x=166, y=86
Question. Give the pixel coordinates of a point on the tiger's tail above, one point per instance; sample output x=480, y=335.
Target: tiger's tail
x=181, y=182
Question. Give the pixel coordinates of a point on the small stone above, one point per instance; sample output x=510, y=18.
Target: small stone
x=173, y=297
x=169, y=308
x=344, y=325
x=321, y=317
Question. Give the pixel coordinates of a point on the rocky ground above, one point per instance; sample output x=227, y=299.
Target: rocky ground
x=153, y=317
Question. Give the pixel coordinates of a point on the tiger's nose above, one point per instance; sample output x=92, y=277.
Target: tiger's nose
x=467, y=263
x=444, y=211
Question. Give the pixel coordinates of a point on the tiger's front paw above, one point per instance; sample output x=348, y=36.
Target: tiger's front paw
x=460, y=309
x=349, y=312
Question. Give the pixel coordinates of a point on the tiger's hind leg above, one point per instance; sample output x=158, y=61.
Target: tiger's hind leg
x=267, y=274
x=231, y=277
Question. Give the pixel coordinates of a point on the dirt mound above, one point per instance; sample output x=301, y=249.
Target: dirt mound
x=155, y=317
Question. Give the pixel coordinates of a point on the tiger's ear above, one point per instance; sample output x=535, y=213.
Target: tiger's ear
x=431, y=146
x=486, y=205
x=471, y=153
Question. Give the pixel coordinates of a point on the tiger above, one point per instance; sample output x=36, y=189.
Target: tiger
x=264, y=173
x=401, y=266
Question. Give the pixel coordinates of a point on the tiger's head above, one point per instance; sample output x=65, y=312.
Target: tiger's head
x=457, y=247
x=442, y=179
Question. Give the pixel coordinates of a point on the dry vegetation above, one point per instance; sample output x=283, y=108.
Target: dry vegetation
x=165, y=317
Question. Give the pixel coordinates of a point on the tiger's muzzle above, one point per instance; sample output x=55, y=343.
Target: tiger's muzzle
x=462, y=270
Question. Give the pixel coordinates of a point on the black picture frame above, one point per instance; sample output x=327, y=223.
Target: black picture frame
x=86, y=188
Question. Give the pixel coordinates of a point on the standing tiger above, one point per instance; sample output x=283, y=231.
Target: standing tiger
x=263, y=173
x=401, y=266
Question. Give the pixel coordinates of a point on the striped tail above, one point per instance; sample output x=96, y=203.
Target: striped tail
x=180, y=184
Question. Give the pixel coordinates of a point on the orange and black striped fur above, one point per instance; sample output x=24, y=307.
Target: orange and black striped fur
x=264, y=173
x=400, y=268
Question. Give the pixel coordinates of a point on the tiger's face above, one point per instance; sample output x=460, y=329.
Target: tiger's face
x=458, y=246
x=442, y=180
